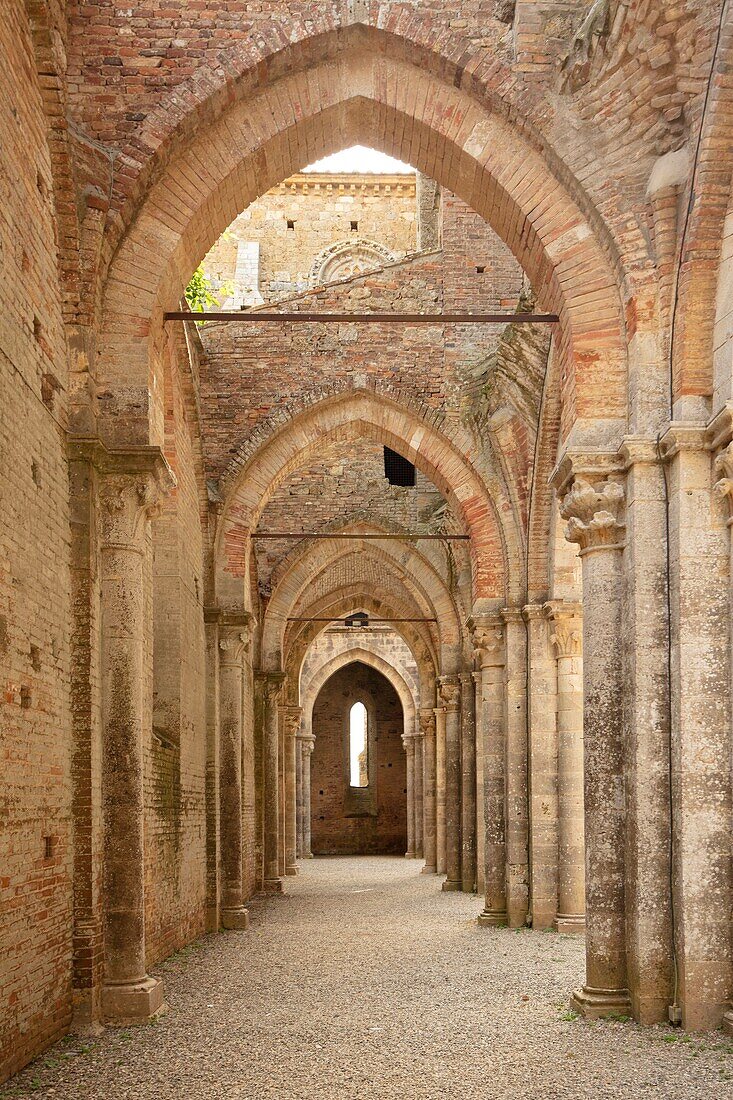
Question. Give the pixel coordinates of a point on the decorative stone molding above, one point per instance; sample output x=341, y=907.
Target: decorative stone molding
x=291, y=717
x=308, y=743
x=487, y=633
x=235, y=635
x=595, y=514
x=723, y=472
x=427, y=722
x=134, y=482
x=346, y=258
x=566, y=628
x=272, y=686
x=449, y=692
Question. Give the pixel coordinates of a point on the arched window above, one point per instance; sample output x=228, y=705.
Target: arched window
x=358, y=746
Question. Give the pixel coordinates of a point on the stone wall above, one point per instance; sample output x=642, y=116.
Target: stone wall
x=38, y=751
x=335, y=831
x=295, y=226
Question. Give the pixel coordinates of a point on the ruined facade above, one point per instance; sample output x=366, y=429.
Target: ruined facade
x=549, y=603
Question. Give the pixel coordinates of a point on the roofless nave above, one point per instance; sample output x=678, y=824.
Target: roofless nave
x=419, y=545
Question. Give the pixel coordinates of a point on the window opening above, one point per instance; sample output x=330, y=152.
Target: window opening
x=398, y=470
x=290, y=223
x=354, y=227
x=358, y=746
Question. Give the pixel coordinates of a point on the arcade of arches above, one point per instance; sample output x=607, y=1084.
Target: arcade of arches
x=534, y=614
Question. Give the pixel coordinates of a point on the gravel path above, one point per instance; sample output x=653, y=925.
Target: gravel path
x=366, y=982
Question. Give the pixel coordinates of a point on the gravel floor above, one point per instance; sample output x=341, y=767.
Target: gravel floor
x=365, y=981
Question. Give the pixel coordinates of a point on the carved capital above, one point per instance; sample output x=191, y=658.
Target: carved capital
x=272, y=685
x=427, y=722
x=566, y=628
x=723, y=471
x=595, y=514
x=308, y=745
x=133, y=483
x=291, y=720
x=233, y=644
x=488, y=640
x=449, y=692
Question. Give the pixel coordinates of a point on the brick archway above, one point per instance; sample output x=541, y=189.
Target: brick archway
x=349, y=599
x=496, y=548
x=363, y=96
x=406, y=564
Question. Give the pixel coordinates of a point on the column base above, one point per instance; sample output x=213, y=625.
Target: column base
x=236, y=919
x=132, y=1002
x=409, y=855
x=570, y=924
x=493, y=918
x=291, y=870
x=594, y=1004
x=727, y=1024
x=451, y=886
x=429, y=870
x=272, y=886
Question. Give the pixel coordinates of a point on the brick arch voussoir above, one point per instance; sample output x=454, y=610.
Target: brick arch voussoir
x=352, y=598
x=496, y=543
x=401, y=561
x=515, y=190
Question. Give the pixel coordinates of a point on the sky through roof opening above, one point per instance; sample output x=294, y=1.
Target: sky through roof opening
x=359, y=158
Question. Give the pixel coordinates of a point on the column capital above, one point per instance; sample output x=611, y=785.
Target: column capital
x=134, y=482
x=449, y=692
x=408, y=743
x=291, y=719
x=308, y=744
x=272, y=685
x=637, y=450
x=488, y=639
x=595, y=514
x=466, y=677
x=531, y=612
x=426, y=718
x=723, y=472
x=566, y=620
x=512, y=614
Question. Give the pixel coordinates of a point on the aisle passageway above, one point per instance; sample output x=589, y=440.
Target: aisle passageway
x=365, y=982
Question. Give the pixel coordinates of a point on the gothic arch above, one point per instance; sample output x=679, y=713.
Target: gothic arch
x=495, y=545
x=408, y=566
x=369, y=97
x=309, y=692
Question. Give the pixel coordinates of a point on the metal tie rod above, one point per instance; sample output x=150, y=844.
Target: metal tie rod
x=372, y=318
x=347, y=622
x=371, y=535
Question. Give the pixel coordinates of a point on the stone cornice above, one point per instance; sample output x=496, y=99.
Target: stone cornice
x=584, y=464
x=306, y=183
x=682, y=436
x=122, y=460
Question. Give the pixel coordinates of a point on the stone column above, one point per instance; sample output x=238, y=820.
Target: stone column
x=488, y=640
x=233, y=641
x=409, y=746
x=440, y=790
x=480, y=822
x=418, y=790
x=567, y=638
x=213, y=805
x=427, y=727
x=596, y=522
x=272, y=686
x=517, y=804
x=468, y=783
x=450, y=693
x=131, y=486
x=291, y=724
x=308, y=743
x=299, y=848
x=542, y=775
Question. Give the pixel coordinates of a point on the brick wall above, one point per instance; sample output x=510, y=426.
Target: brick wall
x=323, y=210
x=333, y=831
x=36, y=840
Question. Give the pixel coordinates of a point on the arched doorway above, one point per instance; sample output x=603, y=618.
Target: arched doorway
x=361, y=810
